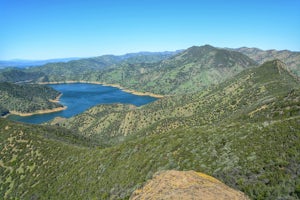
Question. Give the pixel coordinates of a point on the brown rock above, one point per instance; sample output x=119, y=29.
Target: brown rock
x=186, y=185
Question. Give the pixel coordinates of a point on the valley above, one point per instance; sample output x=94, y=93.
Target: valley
x=220, y=112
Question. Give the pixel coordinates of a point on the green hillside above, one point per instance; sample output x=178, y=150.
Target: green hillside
x=244, y=132
x=25, y=98
x=189, y=71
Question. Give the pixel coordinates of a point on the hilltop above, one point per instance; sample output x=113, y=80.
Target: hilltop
x=186, y=185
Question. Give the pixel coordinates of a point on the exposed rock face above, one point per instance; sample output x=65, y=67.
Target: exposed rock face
x=186, y=185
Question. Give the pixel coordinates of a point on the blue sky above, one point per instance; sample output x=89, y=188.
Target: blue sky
x=42, y=29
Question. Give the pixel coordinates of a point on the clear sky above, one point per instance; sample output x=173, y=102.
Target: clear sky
x=42, y=29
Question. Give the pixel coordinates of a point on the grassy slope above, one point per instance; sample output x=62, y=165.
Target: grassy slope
x=251, y=143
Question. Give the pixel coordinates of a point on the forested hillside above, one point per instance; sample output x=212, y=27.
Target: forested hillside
x=14, y=75
x=25, y=98
x=189, y=71
x=244, y=132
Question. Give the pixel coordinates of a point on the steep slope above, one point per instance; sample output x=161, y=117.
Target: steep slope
x=239, y=98
x=292, y=59
x=25, y=99
x=186, y=185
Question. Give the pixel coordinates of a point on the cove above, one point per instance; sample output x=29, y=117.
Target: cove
x=79, y=97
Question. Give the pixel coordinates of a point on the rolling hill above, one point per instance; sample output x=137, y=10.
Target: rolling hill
x=245, y=132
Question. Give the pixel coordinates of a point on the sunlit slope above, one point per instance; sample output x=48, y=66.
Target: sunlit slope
x=260, y=159
x=245, y=132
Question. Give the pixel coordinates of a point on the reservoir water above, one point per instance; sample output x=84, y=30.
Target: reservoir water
x=78, y=97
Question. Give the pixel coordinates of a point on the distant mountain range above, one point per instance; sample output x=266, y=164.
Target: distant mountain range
x=19, y=63
x=292, y=59
x=130, y=57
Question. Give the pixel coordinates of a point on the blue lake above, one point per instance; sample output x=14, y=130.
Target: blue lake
x=78, y=97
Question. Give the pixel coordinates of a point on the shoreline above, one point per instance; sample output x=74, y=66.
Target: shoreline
x=106, y=84
x=38, y=112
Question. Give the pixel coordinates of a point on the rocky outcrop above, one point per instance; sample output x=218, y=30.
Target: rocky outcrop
x=186, y=185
